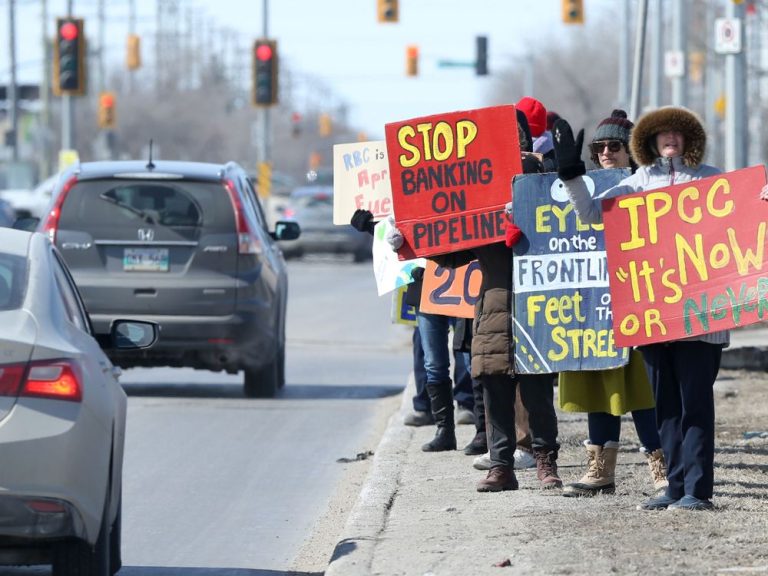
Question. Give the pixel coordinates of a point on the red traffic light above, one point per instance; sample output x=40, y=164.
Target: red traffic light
x=68, y=31
x=264, y=52
x=107, y=100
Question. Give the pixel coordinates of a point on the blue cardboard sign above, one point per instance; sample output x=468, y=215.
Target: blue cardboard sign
x=562, y=305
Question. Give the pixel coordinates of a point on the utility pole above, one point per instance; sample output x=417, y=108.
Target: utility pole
x=67, y=111
x=680, y=41
x=13, y=101
x=131, y=31
x=736, y=100
x=102, y=69
x=712, y=89
x=625, y=60
x=755, y=27
x=637, y=72
x=265, y=119
x=657, y=58
x=46, y=163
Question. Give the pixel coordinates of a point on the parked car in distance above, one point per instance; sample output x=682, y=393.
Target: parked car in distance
x=31, y=203
x=312, y=207
x=62, y=416
x=7, y=214
x=186, y=245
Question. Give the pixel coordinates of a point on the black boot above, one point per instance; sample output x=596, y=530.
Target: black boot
x=441, y=398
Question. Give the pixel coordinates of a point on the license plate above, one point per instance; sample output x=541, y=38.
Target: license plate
x=145, y=260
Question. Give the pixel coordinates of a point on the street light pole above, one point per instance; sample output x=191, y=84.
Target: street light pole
x=637, y=72
x=735, y=101
x=67, y=110
x=13, y=104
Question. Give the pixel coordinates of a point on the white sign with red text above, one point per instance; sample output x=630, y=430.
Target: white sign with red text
x=361, y=180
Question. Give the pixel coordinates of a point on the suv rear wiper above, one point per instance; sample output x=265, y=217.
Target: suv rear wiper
x=147, y=217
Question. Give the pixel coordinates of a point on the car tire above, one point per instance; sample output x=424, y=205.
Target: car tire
x=78, y=558
x=262, y=382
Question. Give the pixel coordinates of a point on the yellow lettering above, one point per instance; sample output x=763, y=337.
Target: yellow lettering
x=534, y=305
x=466, y=132
x=402, y=138
x=720, y=183
x=693, y=193
x=695, y=256
x=659, y=204
x=632, y=205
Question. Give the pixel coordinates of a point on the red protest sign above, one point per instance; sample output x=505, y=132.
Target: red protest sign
x=689, y=259
x=451, y=176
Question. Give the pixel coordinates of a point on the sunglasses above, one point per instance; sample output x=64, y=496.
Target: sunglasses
x=613, y=146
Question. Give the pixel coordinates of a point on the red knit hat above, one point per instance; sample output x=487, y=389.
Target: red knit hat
x=536, y=114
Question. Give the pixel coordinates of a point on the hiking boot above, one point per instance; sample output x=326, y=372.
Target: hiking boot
x=418, y=418
x=546, y=468
x=499, y=478
x=445, y=439
x=478, y=445
x=599, y=477
x=464, y=416
x=524, y=459
x=658, y=468
x=658, y=503
x=482, y=462
x=691, y=503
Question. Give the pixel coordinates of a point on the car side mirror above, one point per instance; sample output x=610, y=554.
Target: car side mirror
x=286, y=230
x=133, y=334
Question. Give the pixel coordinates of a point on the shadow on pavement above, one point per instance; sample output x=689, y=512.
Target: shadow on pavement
x=298, y=392
x=175, y=571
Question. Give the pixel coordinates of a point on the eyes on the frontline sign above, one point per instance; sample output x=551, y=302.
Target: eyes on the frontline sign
x=451, y=176
x=689, y=259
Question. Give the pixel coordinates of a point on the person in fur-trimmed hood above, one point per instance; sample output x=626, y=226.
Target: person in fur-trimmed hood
x=669, y=145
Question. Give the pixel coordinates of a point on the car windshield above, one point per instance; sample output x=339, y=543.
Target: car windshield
x=13, y=281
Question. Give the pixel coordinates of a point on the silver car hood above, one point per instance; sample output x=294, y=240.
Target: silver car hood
x=18, y=332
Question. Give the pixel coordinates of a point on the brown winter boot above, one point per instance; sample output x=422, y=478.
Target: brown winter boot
x=546, y=468
x=499, y=478
x=600, y=474
x=658, y=468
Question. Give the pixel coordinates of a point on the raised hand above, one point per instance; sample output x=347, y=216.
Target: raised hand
x=568, y=151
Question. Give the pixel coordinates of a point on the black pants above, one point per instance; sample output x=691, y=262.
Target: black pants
x=537, y=395
x=682, y=375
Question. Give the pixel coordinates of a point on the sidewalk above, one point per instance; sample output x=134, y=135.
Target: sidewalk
x=419, y=513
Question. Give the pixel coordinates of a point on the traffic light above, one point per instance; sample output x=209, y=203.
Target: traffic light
x=573, y=11
x=107, y=118
x=481, y=56
x=264, y=73
x=69, y=57
x=133, y=52
x=412, y=60
x=388, y=10
x=325, y=125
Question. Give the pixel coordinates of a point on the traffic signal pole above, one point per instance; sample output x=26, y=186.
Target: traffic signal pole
x=265, y=118
x=736, y=100
x=13, y=104
x=67, y=110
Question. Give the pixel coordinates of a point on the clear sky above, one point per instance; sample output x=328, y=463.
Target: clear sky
x=336, y=48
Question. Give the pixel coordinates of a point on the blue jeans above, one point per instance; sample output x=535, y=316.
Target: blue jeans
x=462, y=389
x=604, y=427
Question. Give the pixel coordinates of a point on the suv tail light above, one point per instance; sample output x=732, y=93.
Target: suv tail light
x=51, y=222
x=247, y=242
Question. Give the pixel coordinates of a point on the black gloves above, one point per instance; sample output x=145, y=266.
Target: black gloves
x=568, y=151
x=362, y=220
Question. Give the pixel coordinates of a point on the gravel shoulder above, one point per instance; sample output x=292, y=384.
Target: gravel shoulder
x=436, y=523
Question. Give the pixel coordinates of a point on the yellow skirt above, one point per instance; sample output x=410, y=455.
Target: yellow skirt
x=616, y=391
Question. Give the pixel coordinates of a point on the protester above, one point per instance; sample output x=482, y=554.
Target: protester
x=493, y=360
x=607, y=394
x=431, y=363
x=540, y=125
x=668, y=144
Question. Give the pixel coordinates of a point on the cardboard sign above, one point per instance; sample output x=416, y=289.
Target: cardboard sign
x=390, y=272
x=451, y=176
x=688, y=259
x=449, y=291
x=562, y=317
x=361, y=180
x=401, y=312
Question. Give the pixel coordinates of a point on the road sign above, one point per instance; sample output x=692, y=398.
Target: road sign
x=674, y=64
x=728, y=35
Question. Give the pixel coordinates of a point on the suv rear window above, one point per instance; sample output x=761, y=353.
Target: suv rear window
x=93, y=204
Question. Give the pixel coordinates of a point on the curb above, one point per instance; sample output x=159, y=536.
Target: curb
x=353, y=554
x=745, y=358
